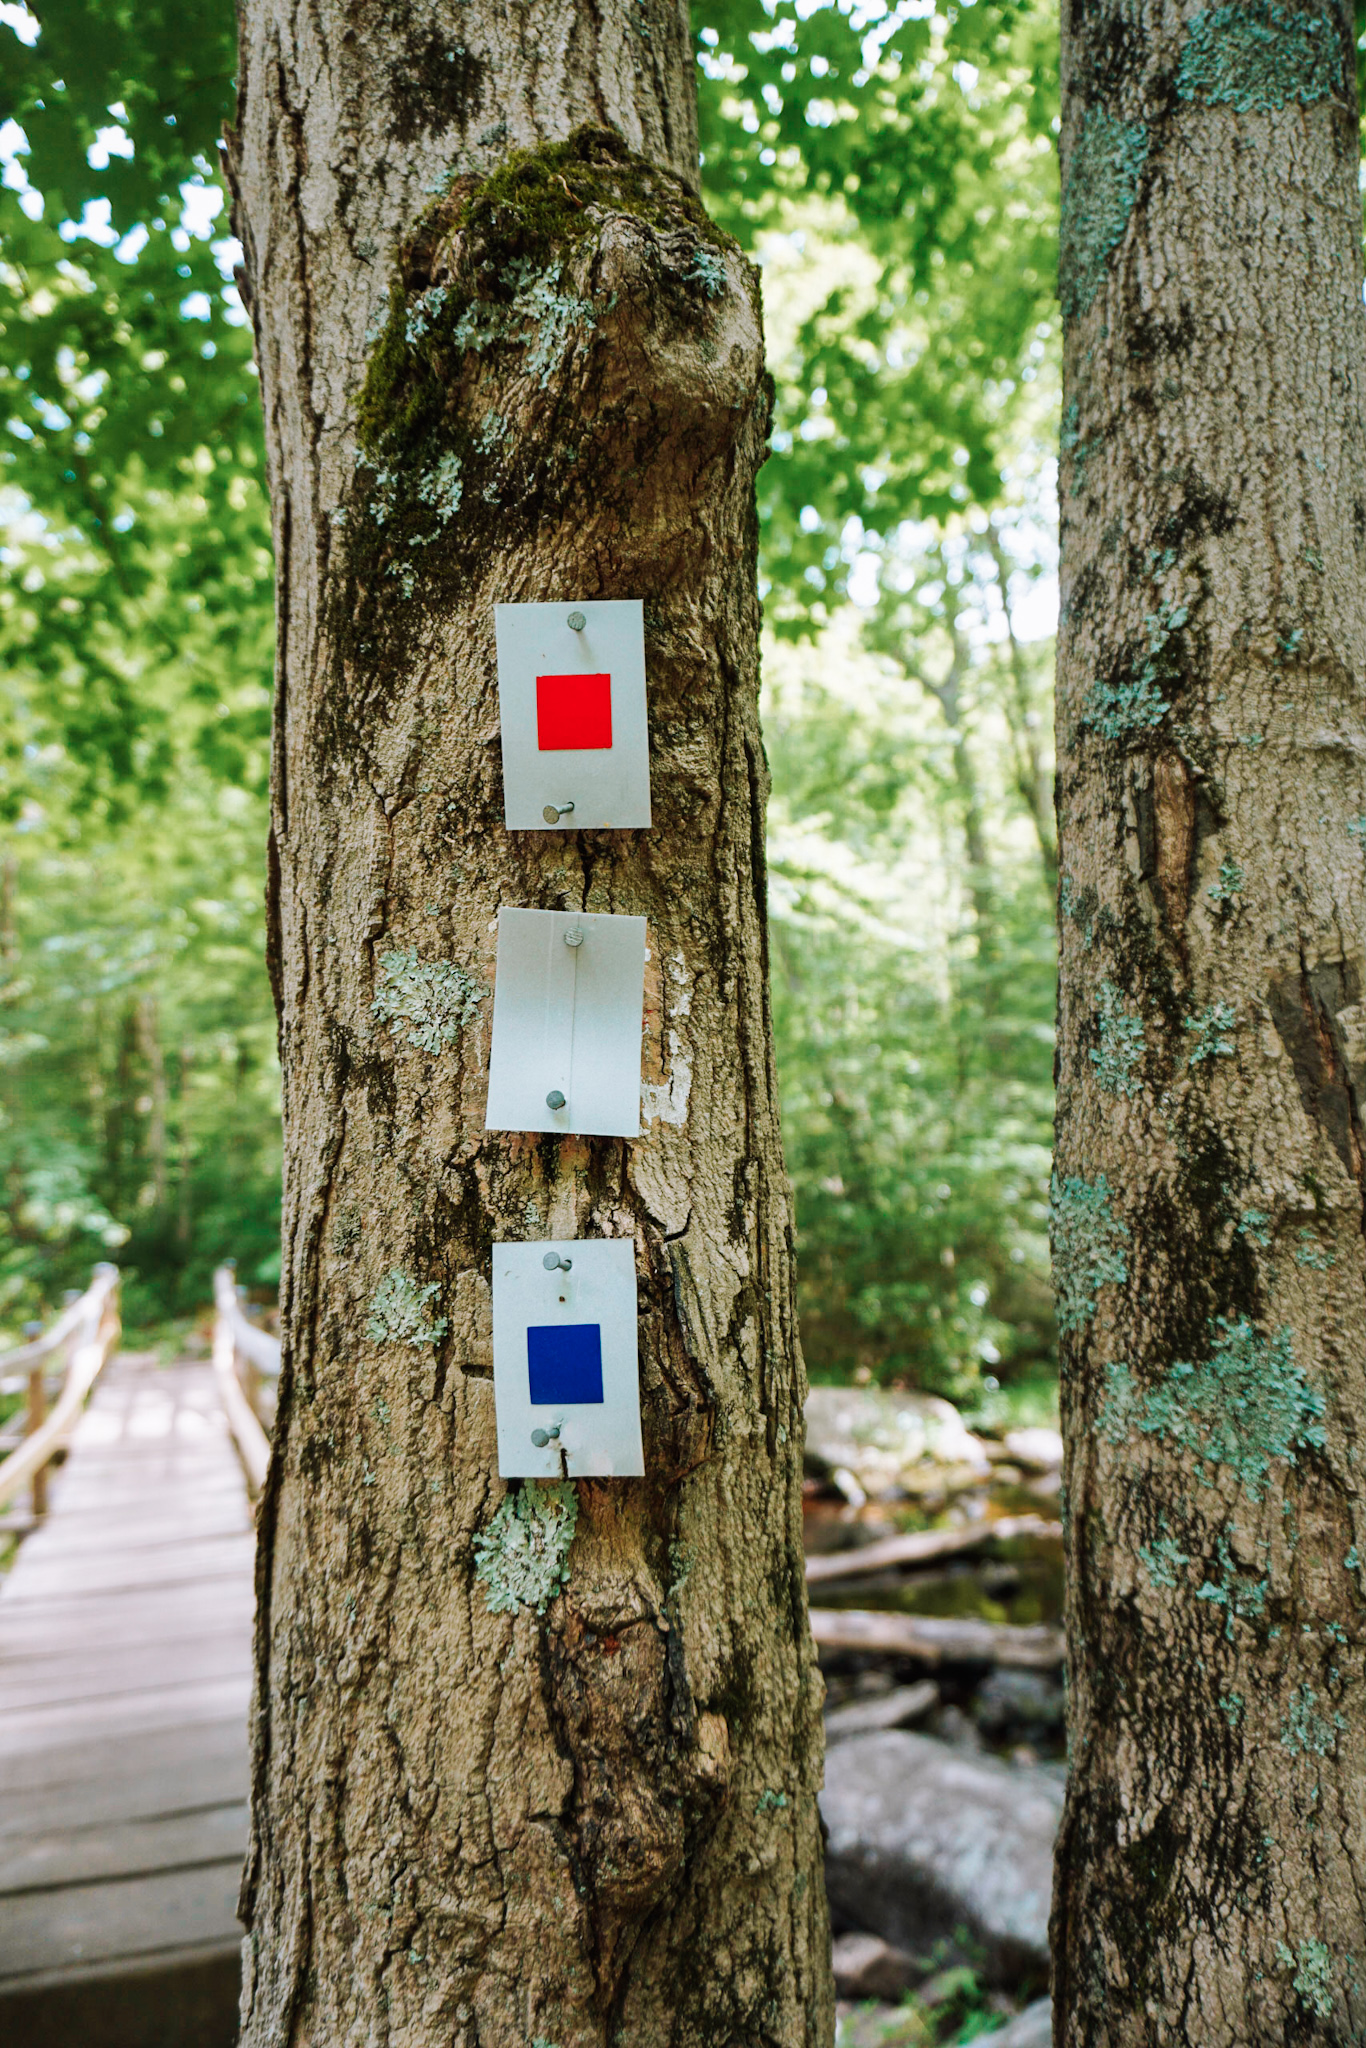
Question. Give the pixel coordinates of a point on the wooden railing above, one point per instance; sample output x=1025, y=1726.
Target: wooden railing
x=245, y=1359
x=83, y=1337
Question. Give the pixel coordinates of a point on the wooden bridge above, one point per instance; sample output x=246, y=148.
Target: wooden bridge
x=125, y=1630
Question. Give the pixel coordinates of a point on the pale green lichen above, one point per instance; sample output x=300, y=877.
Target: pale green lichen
x=1162, y=1560
x=1356, y=828
x=1245, y=1405
x=1088, y=1248
x=1252, y=1225
x=1231, y=1707
x=541, y=317
x=771, y=1802
x=1071, y=443
x=708, y=271
x=1115, y=710
x=1098, y=198
x=1313, y=1978
x=398, y=1313
x=1305, y=1731
x=1242, y=1597
x=1311, y=1255
x=522, y=1558
x=432, y=1000
x=1229, y=884
x=1213, y=1028
x=1116, y=1059
x=1257, y=57
x=1081, y=908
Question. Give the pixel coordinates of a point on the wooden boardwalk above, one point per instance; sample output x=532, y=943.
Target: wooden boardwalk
x=124, y=1675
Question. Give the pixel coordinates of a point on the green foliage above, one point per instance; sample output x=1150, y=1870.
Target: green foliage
x=523, y=1555
x=1102, y=185
x=925, y=140
x=914, y=1058
x=1245, y=1405
x=1257, y=57
x=1088, y=1248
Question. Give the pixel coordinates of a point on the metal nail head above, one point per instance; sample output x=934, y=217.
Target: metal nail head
x=554, y=1100
x=554, y=812
x=574, y=936
x=577, y=622
x=541, y=1437
x=552, y=1260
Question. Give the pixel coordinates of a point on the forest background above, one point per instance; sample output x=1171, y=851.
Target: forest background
x=893, y=170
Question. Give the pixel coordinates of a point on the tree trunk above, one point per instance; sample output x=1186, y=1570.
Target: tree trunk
x=1208, y=1207
x=496, y=377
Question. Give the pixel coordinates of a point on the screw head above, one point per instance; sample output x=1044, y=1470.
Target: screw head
x=574, y=936
x=552, y=1261
x=540, y=1438
x=577, y=622
x=554, y=812
x=554, y=1100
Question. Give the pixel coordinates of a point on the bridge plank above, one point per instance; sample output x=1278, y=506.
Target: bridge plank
x=124, y=1674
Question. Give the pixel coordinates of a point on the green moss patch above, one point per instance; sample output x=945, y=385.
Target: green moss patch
x=496, y=283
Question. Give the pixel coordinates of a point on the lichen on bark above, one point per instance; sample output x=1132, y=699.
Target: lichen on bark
x=1097, y=200
x=1258, y=57
x=523, y=1555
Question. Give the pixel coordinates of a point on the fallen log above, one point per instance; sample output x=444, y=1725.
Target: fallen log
x=924, y=1546
x=937, y=1639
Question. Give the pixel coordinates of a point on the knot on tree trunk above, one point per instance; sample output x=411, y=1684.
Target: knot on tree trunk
x=570, y=340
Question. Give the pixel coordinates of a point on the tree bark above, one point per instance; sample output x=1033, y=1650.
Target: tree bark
x=1208, y=1207
x=496, y=377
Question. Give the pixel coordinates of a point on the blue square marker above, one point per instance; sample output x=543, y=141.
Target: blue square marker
x=565, y=1362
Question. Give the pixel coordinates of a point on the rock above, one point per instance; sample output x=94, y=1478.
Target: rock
x=1032, y=2028
x=866, y=1966
x=891, y=1443
x=928, y=1845
x=953, y=1726
x=884, y=1710
x=1038, y=1450
x=1017, y=1699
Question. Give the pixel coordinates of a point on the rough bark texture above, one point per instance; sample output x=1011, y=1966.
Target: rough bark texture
x=1208, y=1209
x=490, y=377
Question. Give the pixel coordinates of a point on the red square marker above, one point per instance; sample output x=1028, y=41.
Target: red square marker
x=573, y=712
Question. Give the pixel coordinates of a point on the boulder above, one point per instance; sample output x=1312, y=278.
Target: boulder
x=866, y=1966
x=928, y=1845
x=1039, y=1450
x=1022, y=1703
x=888, y=1444
x=1032, y=2028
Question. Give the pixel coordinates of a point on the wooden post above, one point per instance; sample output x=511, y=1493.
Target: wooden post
x=37, y=1411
